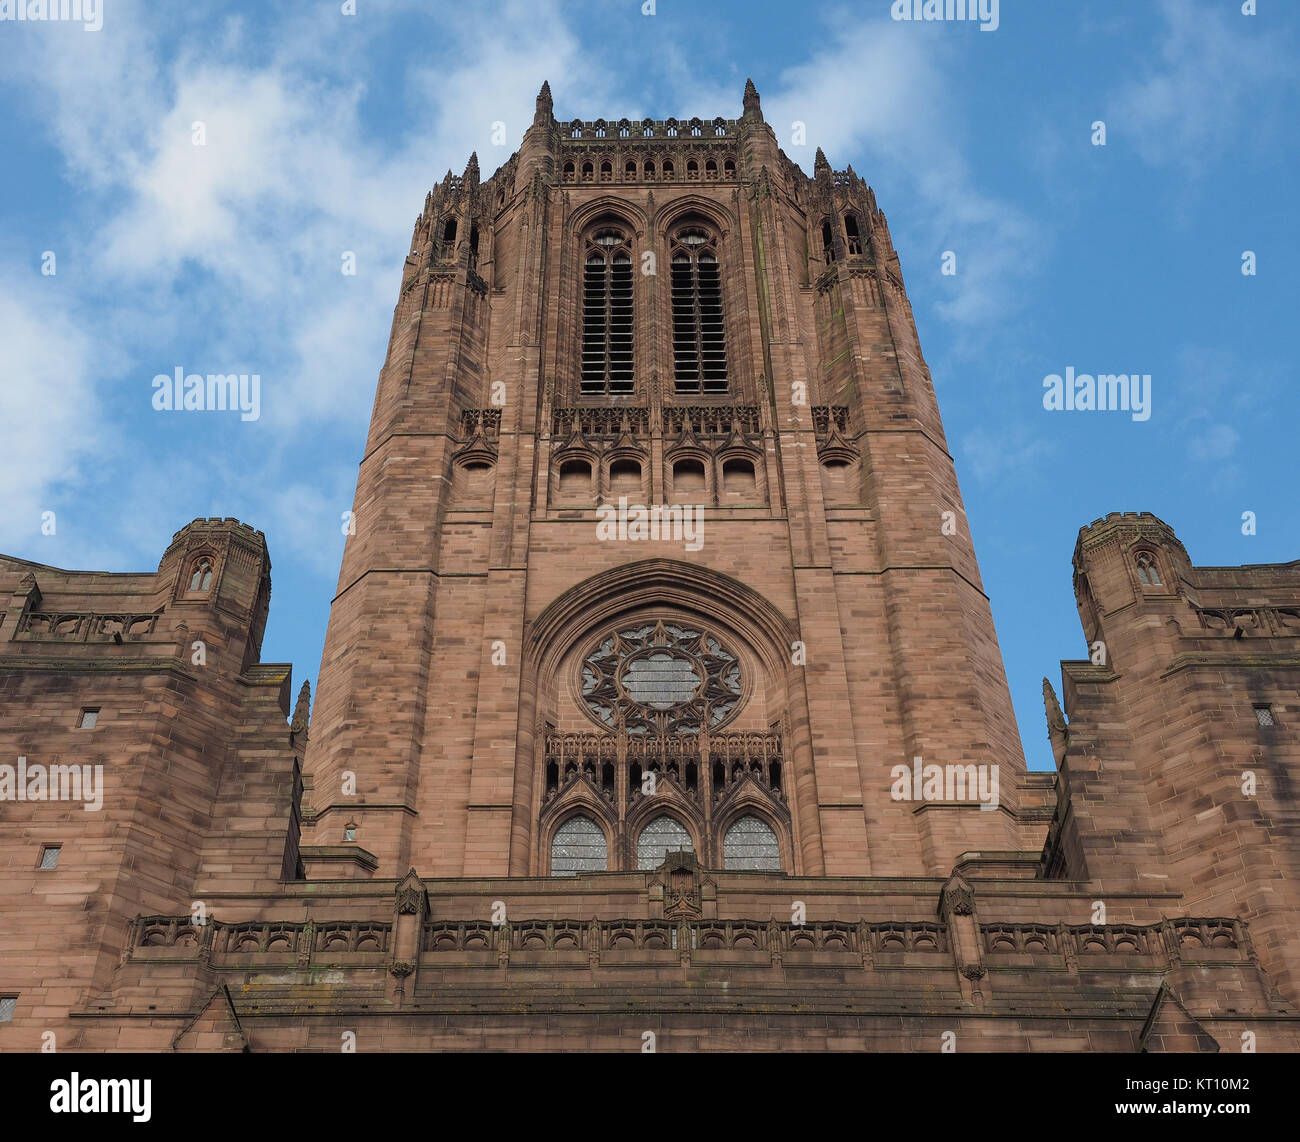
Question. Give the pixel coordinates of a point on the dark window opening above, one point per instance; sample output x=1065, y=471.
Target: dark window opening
x=607, y=315
x=699, y=339
x=851, y=232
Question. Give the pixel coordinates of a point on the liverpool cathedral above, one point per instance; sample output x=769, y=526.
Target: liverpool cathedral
x=661, y=706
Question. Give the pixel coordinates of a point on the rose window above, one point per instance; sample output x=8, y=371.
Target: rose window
x=661, y=678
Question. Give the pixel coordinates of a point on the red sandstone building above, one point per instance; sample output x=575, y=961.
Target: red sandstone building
x=576, y=779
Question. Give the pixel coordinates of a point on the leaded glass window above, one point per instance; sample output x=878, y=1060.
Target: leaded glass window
x=1148, y=575
x=661, y=836
x=661, y=678
x=750, y=843
x=578, y=846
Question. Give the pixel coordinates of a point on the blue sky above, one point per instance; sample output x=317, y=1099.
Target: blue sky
x=325, y=130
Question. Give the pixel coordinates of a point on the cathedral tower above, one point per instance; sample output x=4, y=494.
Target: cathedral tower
x=667, y=315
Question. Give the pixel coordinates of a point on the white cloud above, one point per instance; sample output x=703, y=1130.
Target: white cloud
x=1216, y=75
x=1015, y=451
x=883, y=93
x=1217, y=442
x=50, y=419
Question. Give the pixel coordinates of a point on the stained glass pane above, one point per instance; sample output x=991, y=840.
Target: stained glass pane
x=751, y=844
x=661, y=836
x=578, y=846
x=661, y=681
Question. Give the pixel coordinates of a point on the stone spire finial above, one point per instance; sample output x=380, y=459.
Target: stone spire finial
x=545, y=106
x=301, y=711
x=752, y=107
x=471, y=170
x=820, y=164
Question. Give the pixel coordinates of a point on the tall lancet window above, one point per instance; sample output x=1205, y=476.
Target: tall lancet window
x=699, y=340
x=607, y=314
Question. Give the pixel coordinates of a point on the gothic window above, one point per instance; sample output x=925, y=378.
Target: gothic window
x=624, y=478
x=1148, y=575
x=710, y=169
x=629, y=170
x=729, y=168
x=692, y=171
x=661, y=679
x=851, y=232
x=650, y=172
x=575, y=481
x=578, y=846
x=575, y=129
x=668, y=169
x=607, y=314
x=660, y=837
x=606, y=172
x=828, y=243
x=699, y=341
x=738, y=477
x=449, y=231
x=201, y=579
x=688, y=478
x=473, y=247
x=587, y=172
x=568, y=172
x=751, y=844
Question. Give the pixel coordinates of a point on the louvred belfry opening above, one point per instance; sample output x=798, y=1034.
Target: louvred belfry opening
x=699, y=339
x=607, y=314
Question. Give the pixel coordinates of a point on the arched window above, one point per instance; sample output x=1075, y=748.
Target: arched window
x=738, y=478
x=660, y=837
x=1148, y=574
x=629, y=170
x=668, y=169
x=588, y=172
x=688, y=477
x=606, y=172
x=710, y=169
x=828, y=243
x=607, y=314
x=750, y=843
x=729, y=168
x=201, y=580
x=578, y=846
x=624, y=478
x=473, y=247
x=692, y=171
x=575, y=481
x=851, y=232
x=650, y=172
x=699, y=341
x=568, y=172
